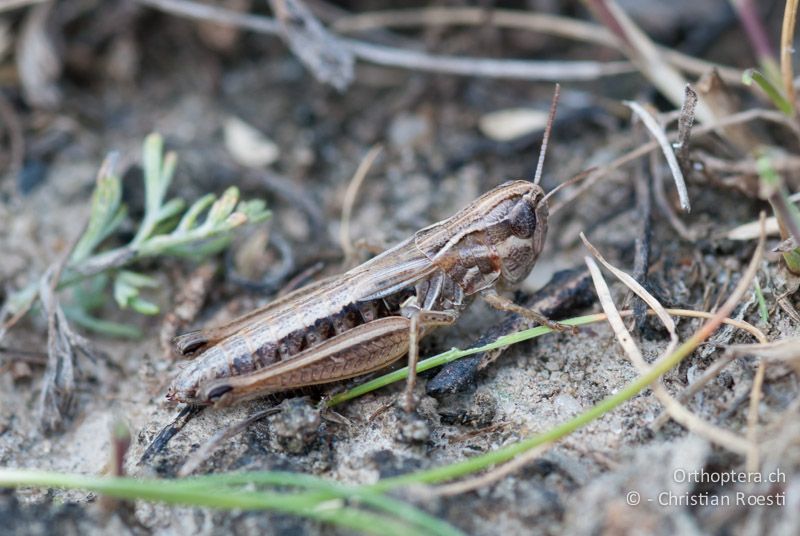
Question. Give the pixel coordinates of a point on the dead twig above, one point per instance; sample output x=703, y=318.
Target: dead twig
x=319, y=50
x=783, y=163
x=218, y=15
x=685, y=122
x=541, y=70
x=566, y=291
x=569, y=28
x=715, y=368
x=410, y=59
x=641, y=262
x=350, y=199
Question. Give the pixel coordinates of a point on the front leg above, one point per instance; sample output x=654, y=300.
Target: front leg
x=501, y=303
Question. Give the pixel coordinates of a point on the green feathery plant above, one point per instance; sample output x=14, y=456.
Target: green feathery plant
x=167, y=228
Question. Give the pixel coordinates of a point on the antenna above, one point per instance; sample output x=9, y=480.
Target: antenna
x=577, y=178
x=553, y=106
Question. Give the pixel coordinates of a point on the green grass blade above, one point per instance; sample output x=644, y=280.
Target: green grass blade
x=773, y=92
x=763, y=312
x=452, y=355
x=360, y=493
x=315, y=505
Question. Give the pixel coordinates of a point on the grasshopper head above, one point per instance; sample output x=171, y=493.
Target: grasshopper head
x=496, y=239
x=523, y=232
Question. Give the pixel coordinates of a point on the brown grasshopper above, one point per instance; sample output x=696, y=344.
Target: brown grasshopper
x=365, y=319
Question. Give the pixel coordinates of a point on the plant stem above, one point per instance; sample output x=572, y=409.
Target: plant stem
x=303, y=504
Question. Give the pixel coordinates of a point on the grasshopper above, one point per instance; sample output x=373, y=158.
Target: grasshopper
x=370, y=316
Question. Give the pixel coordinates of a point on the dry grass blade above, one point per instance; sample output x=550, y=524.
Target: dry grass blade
x=661, y=137
x=786, y=350
x=784, y=163
x=615, y=319
x=473, y=16
x=664, y=205
x=502, y=471
x=63, y=349
x=38, y=62
x=716, y=367
x=750, y=231
x=787, y=49
x=643, y=188
x=639, y=290
x=746, y=116
x=724, y=102
x=350, y=199
x=644, y=149
x=677, y=411
x=645, y=55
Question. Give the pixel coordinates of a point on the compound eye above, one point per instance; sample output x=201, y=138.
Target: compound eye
x=523, y=220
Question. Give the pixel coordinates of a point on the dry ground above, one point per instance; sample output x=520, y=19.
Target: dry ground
x=435, y=160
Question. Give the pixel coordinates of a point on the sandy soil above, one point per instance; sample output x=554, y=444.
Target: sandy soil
x=435, y=160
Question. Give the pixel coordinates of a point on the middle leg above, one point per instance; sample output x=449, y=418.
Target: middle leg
x=504, y=304
x=419, y=321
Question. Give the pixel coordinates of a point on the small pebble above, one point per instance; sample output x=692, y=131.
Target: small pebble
x=413, y=430
x=295, y=428
x=32, y=175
